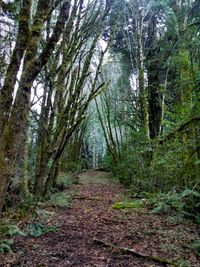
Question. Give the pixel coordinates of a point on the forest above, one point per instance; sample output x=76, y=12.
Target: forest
x=99, y=133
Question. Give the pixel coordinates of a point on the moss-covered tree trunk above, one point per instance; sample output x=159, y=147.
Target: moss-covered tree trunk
x=18, y=121
x=19, y=118
x=141, y=70
x=7, y=91
x=155, y=98
x=184, y=80
x=6, y=97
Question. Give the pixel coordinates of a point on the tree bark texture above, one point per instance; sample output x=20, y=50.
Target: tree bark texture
x=18, y=120
x=6, y=93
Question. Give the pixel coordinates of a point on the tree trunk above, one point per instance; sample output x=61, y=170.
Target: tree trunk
x=20, y=177
x=155, y=97
x=18, y=122
x=155, y=104
x=6, y=93
x=142, y=89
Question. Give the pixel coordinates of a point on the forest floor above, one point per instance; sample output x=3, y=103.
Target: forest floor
x=91, y=233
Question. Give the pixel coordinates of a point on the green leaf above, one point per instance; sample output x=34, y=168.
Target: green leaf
x=5, y=245
x=37, y=229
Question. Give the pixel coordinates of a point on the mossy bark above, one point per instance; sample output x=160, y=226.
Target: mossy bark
x=18, y=120
x=155, y=98
x=142, y=90
x=42, y=144
x=6, y=93
x=6, y=98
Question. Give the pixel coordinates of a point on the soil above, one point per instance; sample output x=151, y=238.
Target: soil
x=91, y=216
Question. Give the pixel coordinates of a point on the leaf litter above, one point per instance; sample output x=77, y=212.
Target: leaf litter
x=91, y=217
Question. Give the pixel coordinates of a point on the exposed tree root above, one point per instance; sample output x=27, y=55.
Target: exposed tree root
x=122, y=250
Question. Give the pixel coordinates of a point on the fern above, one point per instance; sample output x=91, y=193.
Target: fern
x=6, y=245
x=37, y=229
x=7, y=229
x=186, y=203
x=196, y=246
x=182, y=263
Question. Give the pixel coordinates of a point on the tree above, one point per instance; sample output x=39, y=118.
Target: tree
x=41, y=33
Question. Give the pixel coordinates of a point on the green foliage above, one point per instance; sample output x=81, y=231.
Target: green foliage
x=159, y=166
x=8, y=229
x=37, y=229
x=65, y=180
x=6, y=245
x=71, y=166
x=11, y=8
x=28, y=205
x=196, y=246
x=186, y=203
x=182, y=263
x=191, y=200
x=60, y=199
x=165, y=203
x=43, y=214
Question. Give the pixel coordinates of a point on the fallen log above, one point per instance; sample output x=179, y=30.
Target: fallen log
x=123, y=250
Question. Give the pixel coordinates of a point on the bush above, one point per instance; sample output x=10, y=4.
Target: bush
x=158, y=166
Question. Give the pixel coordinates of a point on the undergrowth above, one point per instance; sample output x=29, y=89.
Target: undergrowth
x=37, y=229
x=60, y=199
x=7, y=231
x=196, y=247
x=66, y=180
x=185, y=203
x=32, y=210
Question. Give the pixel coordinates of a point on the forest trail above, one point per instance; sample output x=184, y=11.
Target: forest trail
x=91, y=216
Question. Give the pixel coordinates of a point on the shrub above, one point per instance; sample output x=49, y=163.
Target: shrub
x=186, y=203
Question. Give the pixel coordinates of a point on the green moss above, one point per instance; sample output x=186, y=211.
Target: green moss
x=128, y=205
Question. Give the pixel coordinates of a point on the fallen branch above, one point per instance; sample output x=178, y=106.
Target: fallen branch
x=122, y=250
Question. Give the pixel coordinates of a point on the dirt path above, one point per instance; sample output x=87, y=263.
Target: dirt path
x=91, y=216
